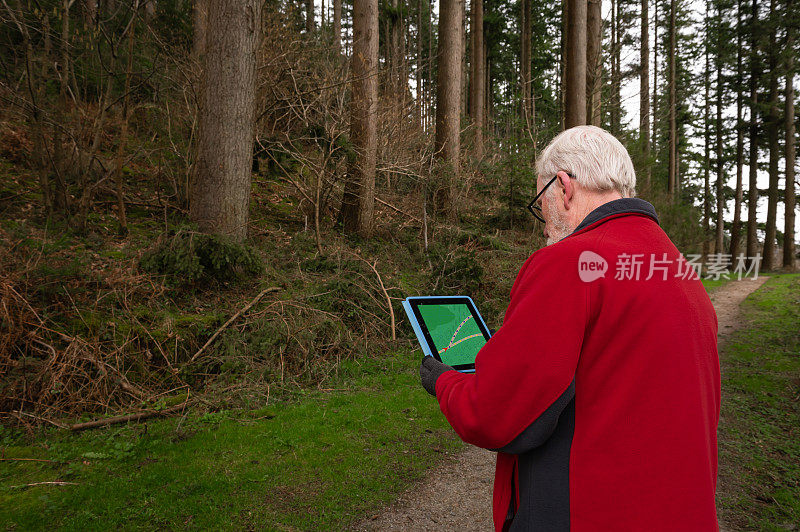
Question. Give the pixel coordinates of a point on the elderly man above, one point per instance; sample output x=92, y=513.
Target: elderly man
x=601, y=390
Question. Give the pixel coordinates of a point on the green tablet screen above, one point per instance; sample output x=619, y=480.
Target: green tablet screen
x=454, y=332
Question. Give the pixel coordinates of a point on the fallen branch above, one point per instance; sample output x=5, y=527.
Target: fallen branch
x=51, y=483
x=398, y=210
x=17, y=413
x=24, y=460
x=130, y=417
x=232, y=319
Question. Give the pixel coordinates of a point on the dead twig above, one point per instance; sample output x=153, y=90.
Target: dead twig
x=232, y=319
x=130, y=417
x=374, y=268
x=51, y=483
x=17, y=413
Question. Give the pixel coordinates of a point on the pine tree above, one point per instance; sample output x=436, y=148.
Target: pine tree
x=773, y=129
x=752, y=192
x=221, y=188
x=448, y=100
x=575, y=100
x=789, y=191
x=358, y=201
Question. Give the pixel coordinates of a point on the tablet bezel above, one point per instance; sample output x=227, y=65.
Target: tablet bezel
x=415, y=302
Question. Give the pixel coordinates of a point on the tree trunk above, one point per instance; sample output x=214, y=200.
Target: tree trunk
x=773, y=129
x=616, y=84
x=309, y=15
x=752, y=193
x=575, y=114
x=395, y=53
x=119, y=178
x=525, y=64
x=737, y=205
x=594, y=70
x=644, y=90
x=673, y=130
x=720, y=192
x=448, y=101
x=221, y=188
x=654, y=137
x=420, y=97
x=358, y=202
x=489, y=91
x=706, y=140
x=337, y=25
x=562, y=91
x=429, y=83
x=464, y=65
x=199, y=25
x=478, y=85
x=789, y=192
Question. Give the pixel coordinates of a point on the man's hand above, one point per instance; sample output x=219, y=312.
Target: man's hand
x=429, y=371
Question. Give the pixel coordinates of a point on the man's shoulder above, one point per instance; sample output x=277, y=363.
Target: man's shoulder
x=624, y=233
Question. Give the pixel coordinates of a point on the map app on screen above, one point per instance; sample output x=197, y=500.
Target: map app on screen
x=454, y=332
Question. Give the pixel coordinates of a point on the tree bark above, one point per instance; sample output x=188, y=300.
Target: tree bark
x=575, y=114
x=525, y=64
x=429, y=80
x=562, y=90
x=720, y=189
x=644, y=89
x=773, y=130
x=395, y=52
x=464, y=65
x=673, y=130
x=199, y=25
x=478, y=84
x=654, y=137
x=489, y=91
x=594, y=70
x=737, y=205
x=337, y=25
x=616, y=82
x=418, y=72
x=789, y=248
x=358, y=202
x=706, y=139
x=221, y=188
x=309, y=15
x=448, y=101
x=752, y=193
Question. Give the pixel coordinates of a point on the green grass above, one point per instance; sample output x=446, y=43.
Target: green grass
x=320, y=462
x=759, y=437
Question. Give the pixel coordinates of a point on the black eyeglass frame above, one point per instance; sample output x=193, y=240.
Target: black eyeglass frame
x=535, y=209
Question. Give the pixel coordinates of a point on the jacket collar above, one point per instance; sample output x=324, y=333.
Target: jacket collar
x=617, y=207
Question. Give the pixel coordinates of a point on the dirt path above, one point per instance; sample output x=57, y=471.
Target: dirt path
x=438, y=503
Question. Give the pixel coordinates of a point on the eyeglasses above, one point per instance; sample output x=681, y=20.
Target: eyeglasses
x=534, y=207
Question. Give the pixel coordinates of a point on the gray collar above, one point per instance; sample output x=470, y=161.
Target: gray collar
x=618, y=206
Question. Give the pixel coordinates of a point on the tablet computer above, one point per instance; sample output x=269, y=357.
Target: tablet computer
x=449, y=328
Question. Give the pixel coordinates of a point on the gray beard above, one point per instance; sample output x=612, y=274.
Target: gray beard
x=559, y=229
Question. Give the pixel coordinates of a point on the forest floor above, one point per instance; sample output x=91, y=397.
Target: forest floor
x=438, y=503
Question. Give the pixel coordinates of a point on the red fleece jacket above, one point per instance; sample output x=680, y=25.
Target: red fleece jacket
x=642, y=355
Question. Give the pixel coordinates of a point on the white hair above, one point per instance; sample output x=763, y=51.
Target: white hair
x=594, y=156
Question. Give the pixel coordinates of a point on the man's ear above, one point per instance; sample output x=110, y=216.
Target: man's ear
x=569, y=188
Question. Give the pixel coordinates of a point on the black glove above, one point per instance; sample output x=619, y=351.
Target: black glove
x=429, y=371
